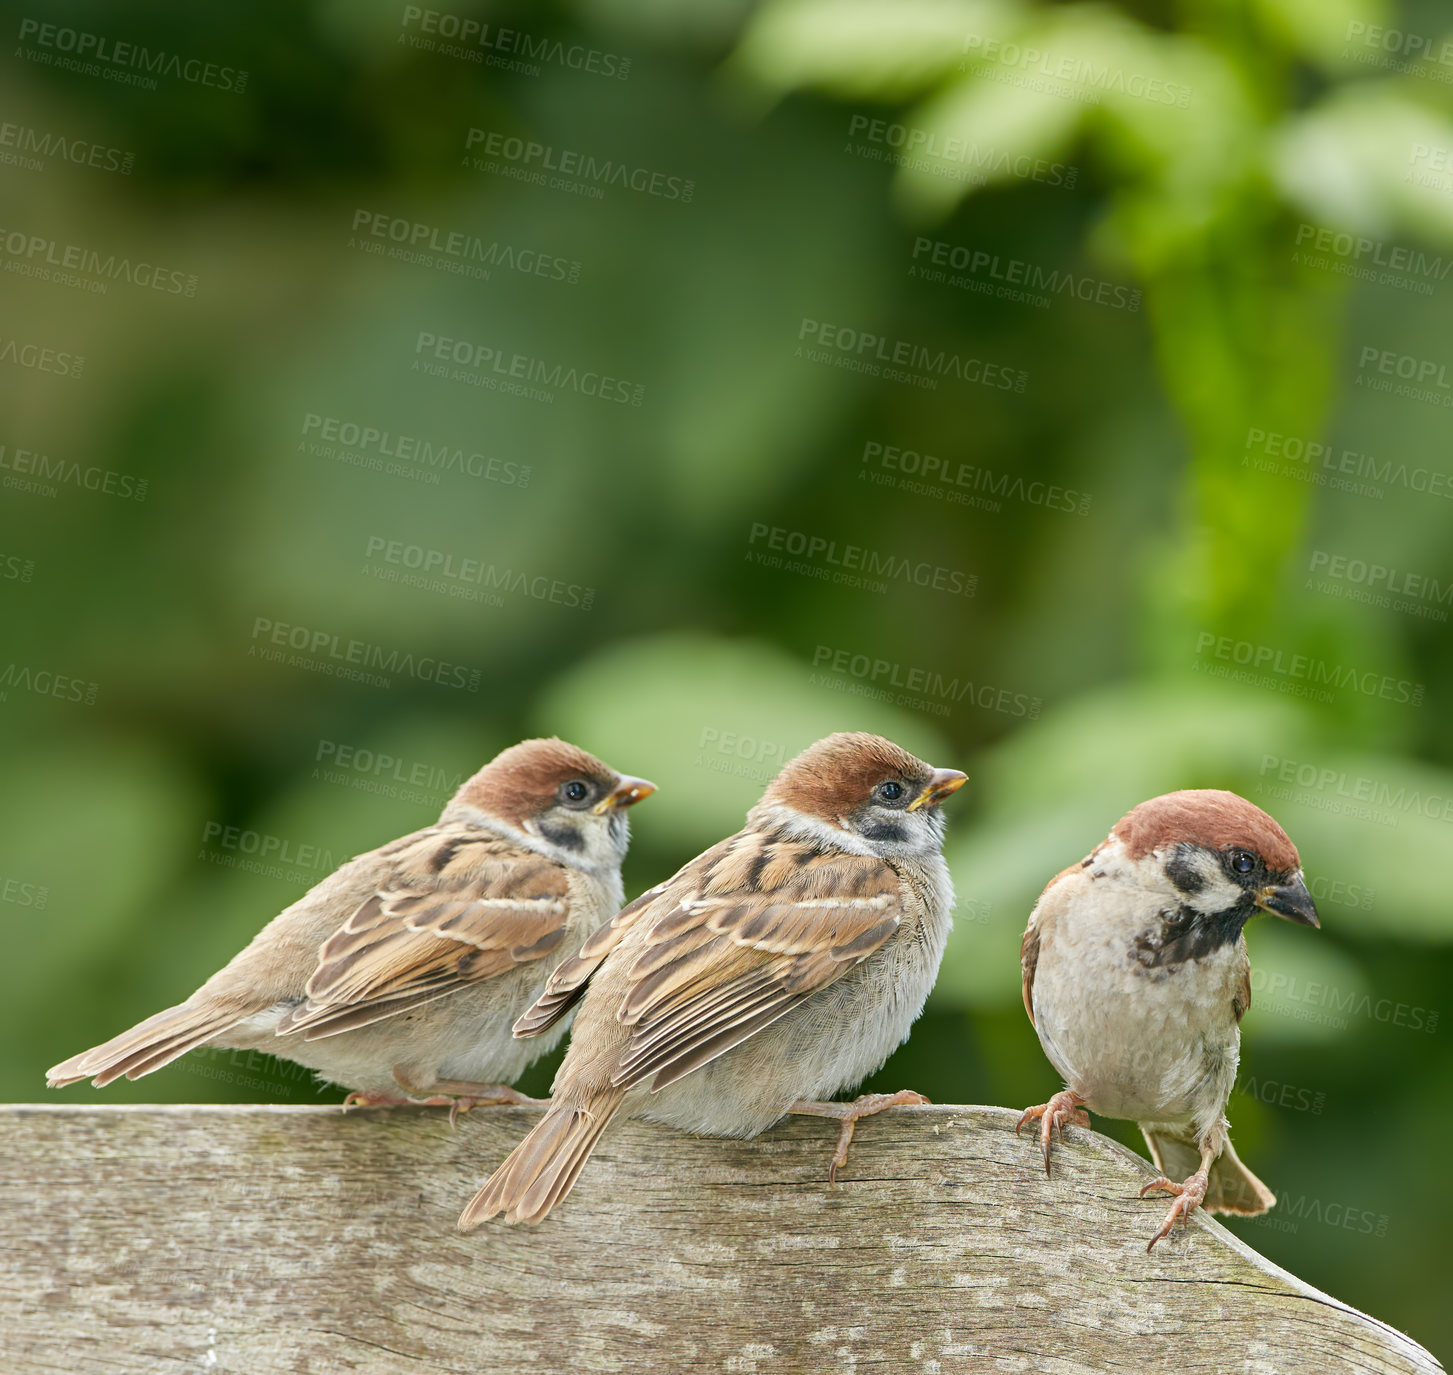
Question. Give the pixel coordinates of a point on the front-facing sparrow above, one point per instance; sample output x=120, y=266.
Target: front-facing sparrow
x=782, y=965
x=402, y=972
x=1136, y=979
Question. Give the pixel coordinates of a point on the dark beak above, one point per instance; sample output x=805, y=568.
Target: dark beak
x=1290, y=900
x=940, y=785
x=626, y=793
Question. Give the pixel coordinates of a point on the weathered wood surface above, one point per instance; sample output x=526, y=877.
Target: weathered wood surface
x=262, y=1240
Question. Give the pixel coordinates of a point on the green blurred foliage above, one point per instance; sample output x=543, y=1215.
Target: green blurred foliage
x=1079, y=665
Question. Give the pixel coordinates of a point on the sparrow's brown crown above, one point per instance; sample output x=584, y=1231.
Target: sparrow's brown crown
x=1208, y=817
x=837, y=775
x=522, y=781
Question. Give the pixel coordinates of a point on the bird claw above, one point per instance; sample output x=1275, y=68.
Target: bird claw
x=1188, y=1199
x=849, y=1114
x=369, y=1099
x=465, y=1095
x=1063, y=1107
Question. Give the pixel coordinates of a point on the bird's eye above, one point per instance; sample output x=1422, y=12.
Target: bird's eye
x=575, y=791
x=891, y=791
x=1242, y=862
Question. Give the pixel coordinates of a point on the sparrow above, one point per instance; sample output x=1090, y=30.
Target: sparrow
x=782, y=965
x=1136, y=979
x=399, y=975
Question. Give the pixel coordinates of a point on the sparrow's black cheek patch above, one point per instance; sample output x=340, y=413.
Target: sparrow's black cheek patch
x=1186, y=877
x=884, y=830
x=566, y=837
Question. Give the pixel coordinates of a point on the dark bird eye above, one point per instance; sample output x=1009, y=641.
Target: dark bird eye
x=1242, y=862
x=890, y=791
x=575, y=791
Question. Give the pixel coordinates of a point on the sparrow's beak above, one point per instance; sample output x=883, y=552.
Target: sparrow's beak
x=1290, y=900
x=943, y=782
x=626, y=793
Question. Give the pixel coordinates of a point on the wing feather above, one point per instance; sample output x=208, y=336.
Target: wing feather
x=455, y=909
x=738, y=940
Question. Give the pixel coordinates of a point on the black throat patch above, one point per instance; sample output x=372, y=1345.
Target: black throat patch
x=1186, y=934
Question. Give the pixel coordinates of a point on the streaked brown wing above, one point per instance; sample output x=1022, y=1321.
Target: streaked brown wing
x=1028, y=960
x=1241, y=1000
x=771, y=924
x=567, y=983
x=456, y=910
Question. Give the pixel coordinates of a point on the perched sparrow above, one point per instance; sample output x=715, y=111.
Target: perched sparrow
x=1136, y=979
x=402, y=971
x=784, y=964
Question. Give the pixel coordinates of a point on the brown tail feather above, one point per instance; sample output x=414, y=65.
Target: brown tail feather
x=1230, y=1186
x=543, y=1168
x=147, y=1046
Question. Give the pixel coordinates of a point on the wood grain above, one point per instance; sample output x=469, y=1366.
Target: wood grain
x=259, y=1240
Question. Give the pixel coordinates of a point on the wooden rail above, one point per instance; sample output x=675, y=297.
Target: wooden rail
x=267, y=1239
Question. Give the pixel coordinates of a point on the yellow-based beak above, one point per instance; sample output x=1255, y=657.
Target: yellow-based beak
x=1290, y=900
x=943, y=782
x=626, y=793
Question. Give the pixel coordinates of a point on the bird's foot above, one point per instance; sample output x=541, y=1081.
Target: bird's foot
x=466, y=1095
x=370, y=1099
x=1188, y=1199
x=849, y=1114
x=1052, y=1116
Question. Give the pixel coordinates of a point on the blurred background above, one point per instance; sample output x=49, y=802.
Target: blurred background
x=1061, y=390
